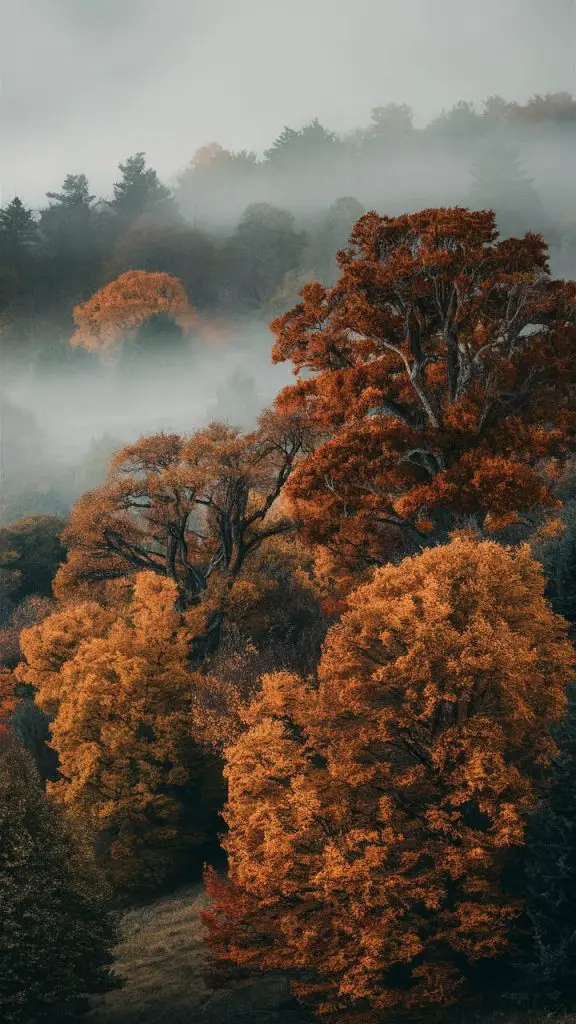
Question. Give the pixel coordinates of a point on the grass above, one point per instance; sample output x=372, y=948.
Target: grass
x=161, y=956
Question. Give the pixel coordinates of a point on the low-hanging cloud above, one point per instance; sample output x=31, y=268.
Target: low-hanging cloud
x=84, y=85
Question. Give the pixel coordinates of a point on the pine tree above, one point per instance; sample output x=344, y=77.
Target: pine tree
x=56, y=931
x=140, y=191
x=73, y=240
x=17, y=226
x=75, y=192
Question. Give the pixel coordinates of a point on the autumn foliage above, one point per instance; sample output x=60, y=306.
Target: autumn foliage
x=195, y=509
x=441, y=370
x=119, y=309
x=118, y=688
x=372, y=813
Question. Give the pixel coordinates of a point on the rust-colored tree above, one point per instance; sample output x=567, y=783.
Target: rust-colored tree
x=441, y=369
x=195, y=509
x=122, y=306
x=372, y=814
x=117, y=686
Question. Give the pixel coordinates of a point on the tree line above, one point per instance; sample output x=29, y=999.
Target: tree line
x=243, y=234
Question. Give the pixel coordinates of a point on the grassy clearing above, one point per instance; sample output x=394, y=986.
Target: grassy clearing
x=161, y=957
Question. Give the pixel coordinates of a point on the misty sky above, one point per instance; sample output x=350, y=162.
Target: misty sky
x=84, y=83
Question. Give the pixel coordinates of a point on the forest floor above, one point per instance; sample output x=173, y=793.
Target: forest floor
x=161, y=955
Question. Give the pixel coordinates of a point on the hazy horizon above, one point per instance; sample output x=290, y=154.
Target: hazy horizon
x=84, y=87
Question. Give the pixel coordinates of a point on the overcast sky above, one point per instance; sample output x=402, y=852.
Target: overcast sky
x=85, y=83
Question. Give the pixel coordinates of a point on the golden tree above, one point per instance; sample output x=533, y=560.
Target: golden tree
x=441, y=369
x=372, y=814
x=117, y=686
x=122, y=306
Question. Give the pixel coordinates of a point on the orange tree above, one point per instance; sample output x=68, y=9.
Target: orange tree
x=195, y=509
x=123, y=305
x=119, y=692
x=441, y=369
x=372, y=814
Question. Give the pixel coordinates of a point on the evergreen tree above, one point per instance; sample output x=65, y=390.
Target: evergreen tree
x=293, y=149
x=72, y=242
x=75, y=192
x=18, y=258
x=18, y=229
x=56, y=931
x=140, y=191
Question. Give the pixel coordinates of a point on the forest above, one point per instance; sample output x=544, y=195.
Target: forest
x=288, y=575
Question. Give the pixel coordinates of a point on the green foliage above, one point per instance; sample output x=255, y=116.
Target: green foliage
x=171, y=248
x=48, y=267
x=56, y=931
x=311, y=143
x=264, y=248
x=140, y=191
x=75, y=192
x=32, y=548
x=17, y=226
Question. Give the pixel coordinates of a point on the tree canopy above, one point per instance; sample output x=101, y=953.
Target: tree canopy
x=441, y=370
x=372, y=812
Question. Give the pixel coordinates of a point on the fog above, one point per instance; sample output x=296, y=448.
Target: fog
x=58, y=431
x=85, y=84
x=174, y=395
